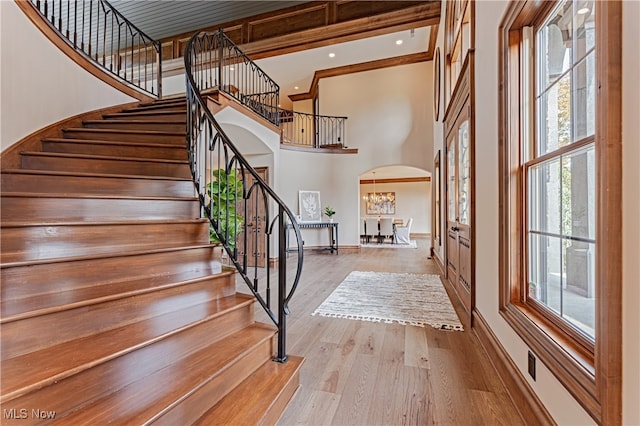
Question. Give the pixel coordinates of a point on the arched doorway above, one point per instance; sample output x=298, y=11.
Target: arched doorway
x=399, y=192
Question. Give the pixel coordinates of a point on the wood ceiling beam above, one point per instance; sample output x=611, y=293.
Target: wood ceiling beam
x=317, y=24
x=396, y=180
x=363, y=66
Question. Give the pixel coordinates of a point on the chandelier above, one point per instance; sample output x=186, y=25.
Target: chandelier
x=373, y=198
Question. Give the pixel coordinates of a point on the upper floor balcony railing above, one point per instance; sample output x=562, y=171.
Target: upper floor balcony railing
x=102, y=34
x=311, y=130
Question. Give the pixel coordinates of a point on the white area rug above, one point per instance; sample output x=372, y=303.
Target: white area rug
x=389, y=245
x=409, y=299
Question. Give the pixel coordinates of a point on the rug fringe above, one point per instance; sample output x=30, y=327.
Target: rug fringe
x=438, y=326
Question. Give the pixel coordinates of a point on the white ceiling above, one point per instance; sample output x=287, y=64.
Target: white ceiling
x=297, y=69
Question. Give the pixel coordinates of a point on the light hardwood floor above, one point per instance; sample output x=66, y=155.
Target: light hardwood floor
x=363, y=373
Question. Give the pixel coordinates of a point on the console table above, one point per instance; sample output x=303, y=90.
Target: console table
x=333, y=235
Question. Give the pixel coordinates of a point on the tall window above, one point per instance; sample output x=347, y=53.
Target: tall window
x=560, y=169
x=560, y=157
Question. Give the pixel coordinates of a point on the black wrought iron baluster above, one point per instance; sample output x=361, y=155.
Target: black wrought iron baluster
x=104, y=39
x=91, y=25
x=82, y=29
x=60, y=15
x=282, y=286
x=46, y=8
x=69, y=19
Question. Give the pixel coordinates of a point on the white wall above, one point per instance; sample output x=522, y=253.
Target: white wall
x=630, y=214
x=39, y=85
x=558, y=401
x=413, y=199
x=336, y=176
x=303, y=106
x=390, y=122
x=390, y=113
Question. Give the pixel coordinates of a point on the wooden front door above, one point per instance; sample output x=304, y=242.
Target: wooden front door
x=458, y=194
x=255, y=223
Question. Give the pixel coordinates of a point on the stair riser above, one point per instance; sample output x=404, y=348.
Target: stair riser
x=166, y=153
x=140, y=187
x=192, y=408
x=278, y=407
x=81, y=209
x=105, y=378
x=159, y=115
x=104, y=276
x=45, y=242
x=124, y=137
x=160, y=127
x=44, y=331
x=88, y=165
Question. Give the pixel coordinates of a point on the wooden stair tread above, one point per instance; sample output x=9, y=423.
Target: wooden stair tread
x=18, y=224
x=163, y=390
x=133, y=121
x=114, y=143
x=257, y=399
x=23, y=241
x=63, y=360
x=124, y=131
x=173, y=106
x=49, y=302
x=150, y=113
x=124, y=253
x=89, y=174
x=96, y=196
x=169, y=108
x=165, y=100
x=102, y=157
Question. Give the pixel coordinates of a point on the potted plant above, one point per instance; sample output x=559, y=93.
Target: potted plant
x=329, y=212
x=224, y=190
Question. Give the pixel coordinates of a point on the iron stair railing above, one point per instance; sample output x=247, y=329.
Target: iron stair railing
x=312, y=130
x=103, y=35
x=223, y=66
x=242, y=209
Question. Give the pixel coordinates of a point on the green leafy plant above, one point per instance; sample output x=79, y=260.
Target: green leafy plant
x=329, y=211
x=225, y=190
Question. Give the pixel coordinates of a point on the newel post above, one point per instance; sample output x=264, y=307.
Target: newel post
x=282, y=286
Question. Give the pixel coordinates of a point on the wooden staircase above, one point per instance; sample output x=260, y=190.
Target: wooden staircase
x=114, y=309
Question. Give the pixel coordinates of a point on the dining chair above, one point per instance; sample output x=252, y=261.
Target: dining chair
x=403, y=233
x=386, y=229
x=371, y=228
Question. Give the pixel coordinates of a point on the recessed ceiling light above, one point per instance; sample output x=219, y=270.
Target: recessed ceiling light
x=331, y=55
x=583, y=11
x=398, y=42
x=296, y=87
